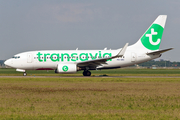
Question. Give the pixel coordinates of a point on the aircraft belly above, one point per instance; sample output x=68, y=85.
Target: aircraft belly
x=45, y=66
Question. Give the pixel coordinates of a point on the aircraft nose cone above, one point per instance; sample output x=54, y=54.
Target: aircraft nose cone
x=7, y=62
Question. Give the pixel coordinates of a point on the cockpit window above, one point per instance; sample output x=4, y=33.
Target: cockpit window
x=16, y=57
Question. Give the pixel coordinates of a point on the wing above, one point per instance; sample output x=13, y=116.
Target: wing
x=100, y=61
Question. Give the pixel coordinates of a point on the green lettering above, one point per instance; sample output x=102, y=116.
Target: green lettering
x=39, y=57
x=100, y=54
x=65, y=54
x=74, y=57
x=52, y=57
x=93, y=57
x=85, y=56
x=107, y=54
x=45, y=56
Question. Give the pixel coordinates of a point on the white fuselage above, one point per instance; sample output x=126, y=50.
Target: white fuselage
x=49, y=59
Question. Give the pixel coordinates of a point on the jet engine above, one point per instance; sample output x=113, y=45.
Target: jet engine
x=66, y=68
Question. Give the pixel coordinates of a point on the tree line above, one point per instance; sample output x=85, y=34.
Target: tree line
x=161, y=63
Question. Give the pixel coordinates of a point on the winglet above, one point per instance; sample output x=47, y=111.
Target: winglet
x=121, y=53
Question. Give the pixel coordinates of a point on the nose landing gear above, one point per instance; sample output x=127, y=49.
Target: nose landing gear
x=87, y=73
x=24, y=74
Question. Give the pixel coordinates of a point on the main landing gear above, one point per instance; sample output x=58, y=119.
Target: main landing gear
x=87, y=73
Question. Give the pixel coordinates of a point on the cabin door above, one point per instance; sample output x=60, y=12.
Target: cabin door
x=29, y=58
x=133, y=57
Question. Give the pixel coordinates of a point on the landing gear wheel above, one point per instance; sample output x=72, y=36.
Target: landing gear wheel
x=87, y=73
x=84, y=73
x=24, y=74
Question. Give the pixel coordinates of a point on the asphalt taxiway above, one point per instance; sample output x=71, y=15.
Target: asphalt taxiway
x=89, y=76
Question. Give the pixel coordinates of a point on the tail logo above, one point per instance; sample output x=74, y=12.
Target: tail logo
x=152, y=38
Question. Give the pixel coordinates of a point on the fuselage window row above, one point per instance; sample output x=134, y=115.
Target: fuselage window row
x=69, y=57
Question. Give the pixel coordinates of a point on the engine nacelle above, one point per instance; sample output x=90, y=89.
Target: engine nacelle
x=66, y=68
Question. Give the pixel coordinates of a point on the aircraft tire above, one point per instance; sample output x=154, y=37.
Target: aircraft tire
x=84, y=73
x=87, y=73
x=24, y=74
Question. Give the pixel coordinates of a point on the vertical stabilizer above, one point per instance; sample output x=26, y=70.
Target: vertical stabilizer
x=151, y=39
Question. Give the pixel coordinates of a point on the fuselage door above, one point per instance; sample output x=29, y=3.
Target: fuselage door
x=29, y=58
x=133, y=57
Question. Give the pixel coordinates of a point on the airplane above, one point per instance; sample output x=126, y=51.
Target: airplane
x=71, y=61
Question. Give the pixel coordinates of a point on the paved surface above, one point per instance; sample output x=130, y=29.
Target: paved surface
x=89, y=76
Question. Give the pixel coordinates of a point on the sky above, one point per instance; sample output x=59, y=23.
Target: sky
x=27, y=25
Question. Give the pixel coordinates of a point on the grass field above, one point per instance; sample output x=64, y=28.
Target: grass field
x=89, y=98
x=98, y=98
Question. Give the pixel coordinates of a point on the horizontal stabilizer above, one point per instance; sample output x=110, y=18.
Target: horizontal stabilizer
x=158, y=52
